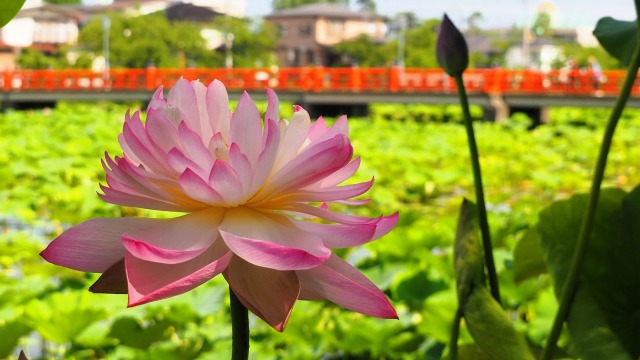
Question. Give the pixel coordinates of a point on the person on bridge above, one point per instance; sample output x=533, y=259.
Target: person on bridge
x=596, y=71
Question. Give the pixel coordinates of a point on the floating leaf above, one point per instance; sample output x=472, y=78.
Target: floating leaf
x=10, y=332
x=61, y=317
x=416, y=286
x=528, y=258
x=130, y=332
x=9, y=9
x=617, y=37
x=605, y=316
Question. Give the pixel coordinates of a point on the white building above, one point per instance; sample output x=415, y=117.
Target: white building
x=539, y=53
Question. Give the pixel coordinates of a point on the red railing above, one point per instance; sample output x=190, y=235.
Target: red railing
x=319, y=79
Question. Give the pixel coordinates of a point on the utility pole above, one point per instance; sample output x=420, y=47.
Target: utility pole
x=106, y=26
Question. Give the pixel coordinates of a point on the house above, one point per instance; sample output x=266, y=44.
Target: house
x=582, y=35
x=234, y=8
x=45, y=27
x=539, y=53
x=307, y=32
x=128, y=7
x=184, y=11
x=483, y=47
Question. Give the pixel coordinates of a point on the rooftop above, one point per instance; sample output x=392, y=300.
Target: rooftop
x=322, y=10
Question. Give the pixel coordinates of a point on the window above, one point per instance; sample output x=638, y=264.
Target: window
x=311, y=58
x=305, y=30
x=282, y=30
x=336, y=26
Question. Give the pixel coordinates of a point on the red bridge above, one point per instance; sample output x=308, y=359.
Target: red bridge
x=499, y=90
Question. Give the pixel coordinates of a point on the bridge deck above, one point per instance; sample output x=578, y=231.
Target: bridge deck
x=328, y=86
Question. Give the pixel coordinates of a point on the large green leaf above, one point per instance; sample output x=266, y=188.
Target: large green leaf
x=617, y=37
x=9, y=9
x=605, y=317
x=491, y=328
x=528, y=259
x=487, y=322
x=131, y=332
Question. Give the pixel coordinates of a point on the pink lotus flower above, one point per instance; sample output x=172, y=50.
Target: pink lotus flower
x=247, y=189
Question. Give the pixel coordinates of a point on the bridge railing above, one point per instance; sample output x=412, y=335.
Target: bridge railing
x=319, y=79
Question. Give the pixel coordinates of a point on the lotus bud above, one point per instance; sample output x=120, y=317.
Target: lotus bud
x=451, y=48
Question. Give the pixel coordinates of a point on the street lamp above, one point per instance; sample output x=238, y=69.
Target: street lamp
x=106, y=25
x=526, y=37
x=228, y=45
x=402, y=25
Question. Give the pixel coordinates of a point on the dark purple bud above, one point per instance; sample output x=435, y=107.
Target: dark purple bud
x=451, y=48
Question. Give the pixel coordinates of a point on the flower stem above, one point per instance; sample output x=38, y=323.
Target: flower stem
x=240, y=329
x=455, y=332
x=572, y=280
x=477, y=181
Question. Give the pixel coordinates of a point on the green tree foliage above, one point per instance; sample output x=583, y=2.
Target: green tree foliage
x=542, y=24
x=367, y=5
x=473, y=23
x=64, y=2
x=582, y=54
x=363, y=51
x=287, y=4
x=421, y=45
x=137, y=42
x=501, y=42
x=34, y=59
x=253, y=46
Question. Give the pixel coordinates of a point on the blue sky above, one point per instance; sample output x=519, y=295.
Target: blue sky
x=496, y=13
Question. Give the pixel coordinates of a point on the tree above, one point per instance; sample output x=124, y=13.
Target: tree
x=542, y=24
x=64, y=2
x=582, y=54
x=137, y=42
x=34, y=59
x=367, y=5
x=364, y=52
x=473, y=22
x=408, y=19
x=287, y=4
x=252, y=45
x=500, y=42
x=421, y=45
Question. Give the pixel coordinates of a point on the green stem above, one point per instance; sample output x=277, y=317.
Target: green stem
x=455, y=333
x=477, y=181
x=572, y=280
x=240, y=329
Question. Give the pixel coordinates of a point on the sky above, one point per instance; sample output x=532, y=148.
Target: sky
x=495, y=13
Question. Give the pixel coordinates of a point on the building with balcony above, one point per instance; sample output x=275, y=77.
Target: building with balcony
x=307, y=32
x=44, y=27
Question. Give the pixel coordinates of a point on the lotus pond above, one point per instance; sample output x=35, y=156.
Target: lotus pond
x=49, y=174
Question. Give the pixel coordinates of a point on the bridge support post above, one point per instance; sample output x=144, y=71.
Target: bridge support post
x=5, y=105
x=352, y=110
x=498, y=110
x=538, y=114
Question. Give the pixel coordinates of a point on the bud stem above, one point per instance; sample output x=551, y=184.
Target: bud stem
x=477, y=181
